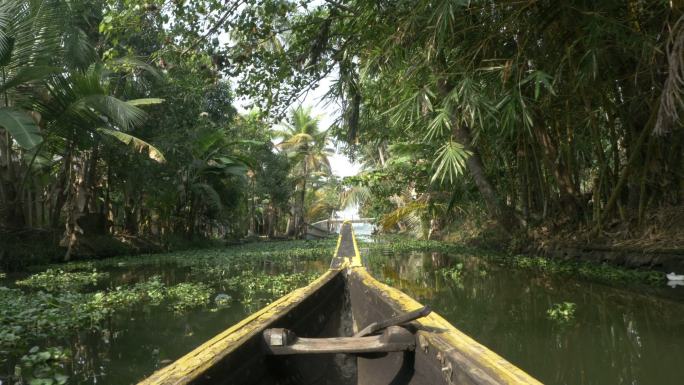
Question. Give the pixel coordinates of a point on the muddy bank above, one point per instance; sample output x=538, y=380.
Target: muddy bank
x=658, y=245
x=665, y=260
x=20, y=249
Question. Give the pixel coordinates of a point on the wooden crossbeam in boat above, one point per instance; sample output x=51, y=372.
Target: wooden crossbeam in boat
x=393, y=339
x=398, y=320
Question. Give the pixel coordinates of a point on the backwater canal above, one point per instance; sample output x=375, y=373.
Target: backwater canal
x=600, y=334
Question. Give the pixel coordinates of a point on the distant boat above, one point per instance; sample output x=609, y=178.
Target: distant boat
x=674, y=277
x=344, y=328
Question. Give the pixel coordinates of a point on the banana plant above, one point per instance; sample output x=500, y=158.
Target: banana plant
x=206, y=181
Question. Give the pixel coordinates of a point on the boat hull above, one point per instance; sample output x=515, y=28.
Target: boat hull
x=341, y=302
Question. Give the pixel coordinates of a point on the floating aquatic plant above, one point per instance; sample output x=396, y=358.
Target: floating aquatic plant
x=44, y=367
x=57, y=280
x=563, y=312
x=454, y=273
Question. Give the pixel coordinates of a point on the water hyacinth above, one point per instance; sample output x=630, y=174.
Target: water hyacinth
x=56, y=280
x=562, y=312
x=52, y=305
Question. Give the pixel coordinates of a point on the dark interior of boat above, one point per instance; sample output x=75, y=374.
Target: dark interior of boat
x=326, y=313
x=344, y=328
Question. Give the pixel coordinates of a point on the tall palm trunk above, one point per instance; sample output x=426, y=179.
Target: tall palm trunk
x=301, y=229
x=503, y=214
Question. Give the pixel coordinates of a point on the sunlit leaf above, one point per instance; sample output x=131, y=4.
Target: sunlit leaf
x=145, y=101
x=138, y=144
x=22, y=128
x=450, y=162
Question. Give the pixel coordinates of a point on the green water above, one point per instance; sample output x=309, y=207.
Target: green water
x=617, y=335
x=149, y=337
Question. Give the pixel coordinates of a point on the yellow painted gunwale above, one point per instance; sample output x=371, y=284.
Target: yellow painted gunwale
x=448, y=334
x=193, y=364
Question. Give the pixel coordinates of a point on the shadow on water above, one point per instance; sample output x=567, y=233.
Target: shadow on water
x=616, y=335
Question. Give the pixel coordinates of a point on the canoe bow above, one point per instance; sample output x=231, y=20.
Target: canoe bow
x=445, y=354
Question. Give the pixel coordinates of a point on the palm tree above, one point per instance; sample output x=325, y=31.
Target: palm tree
x=29, y=42
x=55, y=92
x=306, y=145
x=205, y=180
x=81, y=113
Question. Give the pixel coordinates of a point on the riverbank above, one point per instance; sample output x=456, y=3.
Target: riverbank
x=658, y=246
x=144, y=311
x=21, y=249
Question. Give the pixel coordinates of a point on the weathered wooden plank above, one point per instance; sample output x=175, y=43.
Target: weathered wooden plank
x=284, y=342
x=442, y=350
x=397, y=320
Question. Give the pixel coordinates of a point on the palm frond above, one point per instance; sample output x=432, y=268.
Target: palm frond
x=121, y=113
x=296, y=142
x=355, y=196
x=22, y=128
x=27, y=75
x=450, y=162
x=79, y=53
x=130, y=63
x=409, y=214
x=320, y=208
x=137, y=144
x=145, y=101
x=208, y=195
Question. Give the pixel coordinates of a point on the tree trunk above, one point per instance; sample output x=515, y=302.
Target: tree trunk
x=301, y=229
x=504, y=215
x=13, y=211
x=60, y=191
x=252, y=211
x=568, y=192
x=290, y=228
x=613, y=200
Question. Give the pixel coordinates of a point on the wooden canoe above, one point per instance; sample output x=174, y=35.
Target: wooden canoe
x=340, y=303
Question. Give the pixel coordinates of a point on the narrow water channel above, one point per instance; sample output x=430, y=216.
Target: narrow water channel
x=616, y=335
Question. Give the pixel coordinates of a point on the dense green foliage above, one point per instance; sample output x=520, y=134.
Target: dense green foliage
x=39, y=319
x=543, y=114
x=119, y=120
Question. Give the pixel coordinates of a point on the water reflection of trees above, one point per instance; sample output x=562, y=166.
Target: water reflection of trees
x=618, y=336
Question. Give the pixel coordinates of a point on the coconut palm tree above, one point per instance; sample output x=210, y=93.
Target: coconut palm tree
x=59, y=104
x=80, y=114
x=306, y=145
x=29, y=43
